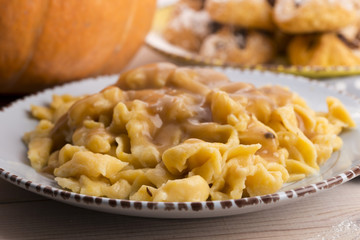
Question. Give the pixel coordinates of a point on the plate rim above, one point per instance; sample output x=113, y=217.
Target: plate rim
x=88, y=201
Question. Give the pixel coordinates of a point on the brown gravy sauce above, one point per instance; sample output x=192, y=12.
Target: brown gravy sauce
x=178, y=101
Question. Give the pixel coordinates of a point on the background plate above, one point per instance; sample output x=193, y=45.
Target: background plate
x=159, y=44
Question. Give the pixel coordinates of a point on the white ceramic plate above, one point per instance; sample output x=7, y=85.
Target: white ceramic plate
x=341, y=167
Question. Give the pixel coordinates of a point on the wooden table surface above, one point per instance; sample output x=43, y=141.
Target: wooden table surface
x=333, y=214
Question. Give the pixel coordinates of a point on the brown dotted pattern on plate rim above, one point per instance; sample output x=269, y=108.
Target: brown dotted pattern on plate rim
x=289, y=194
x=138, y=205
x=194, y=206
x=88, y=199
x=169, y=206
x=13, y=178
x=152, y=205
x=112, y=202
x=178, y=206
x=210, y=205
x=226, y=204
x=98, y=200
x=182, y=206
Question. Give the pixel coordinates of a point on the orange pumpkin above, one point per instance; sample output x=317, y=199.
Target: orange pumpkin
x=46, y=42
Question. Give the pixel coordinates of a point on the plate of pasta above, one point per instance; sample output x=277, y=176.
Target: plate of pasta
x=280, y=36
x=181, y=142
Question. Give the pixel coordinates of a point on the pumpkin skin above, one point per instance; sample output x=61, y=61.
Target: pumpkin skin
x=47, y=42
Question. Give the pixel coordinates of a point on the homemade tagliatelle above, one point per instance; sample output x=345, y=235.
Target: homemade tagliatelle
x=163, y=133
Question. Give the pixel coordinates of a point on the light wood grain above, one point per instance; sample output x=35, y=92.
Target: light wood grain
x=12, y=193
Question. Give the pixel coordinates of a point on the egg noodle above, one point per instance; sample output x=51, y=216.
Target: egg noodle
x=164, y=133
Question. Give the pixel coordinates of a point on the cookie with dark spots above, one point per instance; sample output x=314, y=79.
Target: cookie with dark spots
x=326, y=49
x=299, y=16
x=245, y=13
x=238, y=46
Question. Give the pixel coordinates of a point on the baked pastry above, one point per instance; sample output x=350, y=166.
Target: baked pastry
x=194, y=4
x=241, y=46
x=281, y=40
x=180, y=30
x=327, y=49
x=326, y=31
x=242, y=13
x=308, y=16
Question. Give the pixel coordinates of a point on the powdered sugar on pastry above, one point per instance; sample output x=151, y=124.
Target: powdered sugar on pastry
x=188, y=18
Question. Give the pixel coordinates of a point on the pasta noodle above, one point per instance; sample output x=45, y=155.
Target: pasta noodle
x=163, y=133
